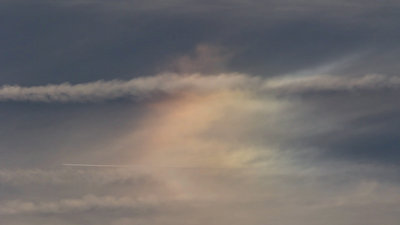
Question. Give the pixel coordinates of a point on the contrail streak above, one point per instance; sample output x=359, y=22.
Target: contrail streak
x=143, y=87
x=138, y=88
x=97, y=165
x=151, y=166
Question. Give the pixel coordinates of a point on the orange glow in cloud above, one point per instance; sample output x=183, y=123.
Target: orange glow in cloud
x=175, y=132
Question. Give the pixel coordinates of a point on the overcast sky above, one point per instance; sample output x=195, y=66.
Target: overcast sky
x=224, y=112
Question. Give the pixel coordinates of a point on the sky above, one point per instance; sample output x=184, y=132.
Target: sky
x=168, y=112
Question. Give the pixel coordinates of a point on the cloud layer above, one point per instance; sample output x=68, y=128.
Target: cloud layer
x=86, y=203
x=251, y=112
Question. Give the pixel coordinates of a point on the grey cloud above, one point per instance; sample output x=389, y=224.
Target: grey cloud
x=366, y=132
x=339, y=117
x=86, y=203
x=251, y=196
x=92, y=40
x=335, y=136
x=18, y=178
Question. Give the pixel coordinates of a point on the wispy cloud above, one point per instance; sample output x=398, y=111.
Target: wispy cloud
x=86, y=203
x=106, y=90
x=143, y=87
x=332, y=83
x=31, y=177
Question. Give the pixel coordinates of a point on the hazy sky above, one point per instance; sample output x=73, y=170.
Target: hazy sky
x=276, y=112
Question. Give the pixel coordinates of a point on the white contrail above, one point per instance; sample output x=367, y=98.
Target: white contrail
x=140, y=87
x=150, y=166
x=96, y=165
x=143, y=87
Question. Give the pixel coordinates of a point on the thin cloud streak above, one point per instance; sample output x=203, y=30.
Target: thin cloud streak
x=144, y=87
x=107, y=90
x=155, y=166
x=332, y=83
x=86, y=203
